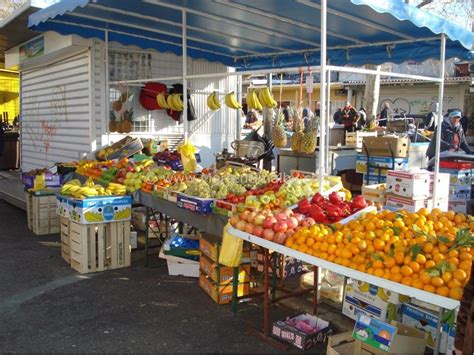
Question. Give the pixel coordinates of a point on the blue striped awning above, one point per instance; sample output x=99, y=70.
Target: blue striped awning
x=258, y=34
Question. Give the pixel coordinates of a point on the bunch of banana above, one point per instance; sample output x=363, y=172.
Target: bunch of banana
x=145, y=163
x=117, y=189
x=174, y=102
x=70, y=186
x=252, y=100
x=161, y=100
x=213, y=102
x=266, y=98
x=231, y=101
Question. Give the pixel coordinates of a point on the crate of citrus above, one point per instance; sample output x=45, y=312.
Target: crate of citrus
x=431, y=251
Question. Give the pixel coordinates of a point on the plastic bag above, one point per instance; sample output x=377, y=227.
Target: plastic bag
x=231, y=249
x=187, y=151
x=39, y=183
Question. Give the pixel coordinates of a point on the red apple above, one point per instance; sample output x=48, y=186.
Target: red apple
x=308, y=222
x=258, y=219
x=279, y=238
x=258, y=231
x=292, y=222
x=281, y=216
x=244, y=215
x=233, y=220
x=299, y=217
x=269, y=222
x=241, y=225
x=251, y=216
x=280, y=226
x=249, y=228
x=268, y=234
x=288, y=212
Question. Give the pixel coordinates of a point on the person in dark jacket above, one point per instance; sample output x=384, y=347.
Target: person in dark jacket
x=337, y=117
x=383, y=115
x=452, y=136
x=349, y=117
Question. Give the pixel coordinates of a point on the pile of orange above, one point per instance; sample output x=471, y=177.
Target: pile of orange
x=415, y=249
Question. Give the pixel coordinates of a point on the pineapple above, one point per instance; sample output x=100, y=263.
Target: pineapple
x=308, y=142
x=112, y=122
x=297, y=133
x=278, y=132
x=127, y=117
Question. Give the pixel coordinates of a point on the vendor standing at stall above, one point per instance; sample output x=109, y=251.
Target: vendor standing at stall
x=383, y=115
x=452, y=136
x=350, y=117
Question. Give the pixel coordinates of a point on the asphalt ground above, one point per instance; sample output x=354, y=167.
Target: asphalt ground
x=47, y=307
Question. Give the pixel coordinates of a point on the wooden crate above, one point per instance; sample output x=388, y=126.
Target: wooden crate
x=354, y=139
x=65, y=240
x=375, y=193
x=99, y=247
x=41, y=214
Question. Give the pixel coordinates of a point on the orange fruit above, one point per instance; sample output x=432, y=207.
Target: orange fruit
x=395, y=269
x=425, y=278
x=465, y=265
x=453, y=253
x=464, y=255
x=454, y=283
x=453, y=260
x=370, y=270
x=354, y=249
x=417, y=283
x=332, y=249
x=429, y=264
x=345, y=262
x=414, y=266
x=361, y=267
x=438, y=257
x=460, y=275
x=447, y=276
x=407, y=260
x=437, y=281
x=406, y=270
x=346, y=254
x=386, y=275
x=389, y=262
x=429, y=288
x=396, y=277
x=377, y=264
x=421, y=259
x=324, y=255
x=362, y=245
x=443, y=291
x=456, y=293
x=378, y=272
x=399, y=257
x=353, y=265
x=379, y=244
x=358, y=259
x=303, y=248
x=407, y=281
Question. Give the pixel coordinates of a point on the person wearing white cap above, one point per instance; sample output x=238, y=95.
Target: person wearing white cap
x=452, y=136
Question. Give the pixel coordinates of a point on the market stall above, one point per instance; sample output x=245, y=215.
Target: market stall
x=377, y=35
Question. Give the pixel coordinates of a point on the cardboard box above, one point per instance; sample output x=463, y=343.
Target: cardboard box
x=210, y=245
x=459, y=193
x=302, y=340
x=412, y=205
x=443, y=185
x=412, y=184
x=101, y=209
x=180, y=266
x=344, y=344
x=223, y=274
x=394, y=338
x=458, y=206
x=427, y=321
x=195, y=204
x=387, y=146
x=380, y=162
x=375, y=192
x=372, y=301
x=126, y=147
x=51, y=180
x=62, y=206
x=221, y=294
x=372, y=179
x=459, y=177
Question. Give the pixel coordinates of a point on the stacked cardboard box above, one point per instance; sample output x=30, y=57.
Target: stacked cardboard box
x=413, y=189
x=459, y=188
x=216, y=279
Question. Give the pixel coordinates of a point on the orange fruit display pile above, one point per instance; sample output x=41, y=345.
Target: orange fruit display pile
x=432, y=251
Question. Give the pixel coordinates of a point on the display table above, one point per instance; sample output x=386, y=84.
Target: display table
x=442, y=302
x=340, y=158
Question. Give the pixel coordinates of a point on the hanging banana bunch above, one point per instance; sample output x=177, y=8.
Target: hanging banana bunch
x=252, y=100
x=161, y=101
x=213, y=102
x=231, y=101
x=174, y=102
x=266, y=98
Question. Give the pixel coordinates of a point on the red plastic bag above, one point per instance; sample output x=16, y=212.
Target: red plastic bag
x=148, y=95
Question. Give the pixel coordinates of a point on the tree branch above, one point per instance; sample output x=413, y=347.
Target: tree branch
x=423, y=3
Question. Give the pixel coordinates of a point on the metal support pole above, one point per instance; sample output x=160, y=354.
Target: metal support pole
x=267, y=124
x=266, y=298
x=238, y=127
x=322, y=90
x=235, y=288
x=327, y=169
x=438, y=332
x=185, y=80
x=315, y=289
x=440, y=115
x=147, y=220
x=107, y=88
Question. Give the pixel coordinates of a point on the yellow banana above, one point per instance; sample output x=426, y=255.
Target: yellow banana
x=258, y=105
x=161, y=100
x=261, y=98
x=381, y=294
x=364, y=287
x=250, y=99
x=178, y=102
x=74, y=182
x=231, y=101
x=268, y=97
x=211, y=102
x=215, y=100
x=169, y=101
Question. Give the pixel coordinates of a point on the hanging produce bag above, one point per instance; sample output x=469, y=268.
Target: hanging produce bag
x=187, y=151
x=148, y=95
x=231, y=250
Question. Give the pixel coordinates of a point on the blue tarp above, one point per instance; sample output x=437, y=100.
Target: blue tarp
x=250, y=34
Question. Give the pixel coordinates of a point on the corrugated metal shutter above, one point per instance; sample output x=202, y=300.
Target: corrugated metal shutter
x=55, y=103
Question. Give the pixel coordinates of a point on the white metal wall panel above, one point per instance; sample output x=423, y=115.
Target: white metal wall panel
x=55, y=112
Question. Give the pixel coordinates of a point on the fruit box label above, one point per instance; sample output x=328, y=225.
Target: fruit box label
x=374, y=332
x=203, y=206
x=100, y=209
x=380, y=162
x=373, y=293
x=459, y=177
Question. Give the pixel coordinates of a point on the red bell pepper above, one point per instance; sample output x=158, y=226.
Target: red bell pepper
x=304, y=205
x=317, y=198
x=358, y=203
x=334, y=212
x=335, y=198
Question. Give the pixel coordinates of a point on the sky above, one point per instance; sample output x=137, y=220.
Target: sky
x=458, y=11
